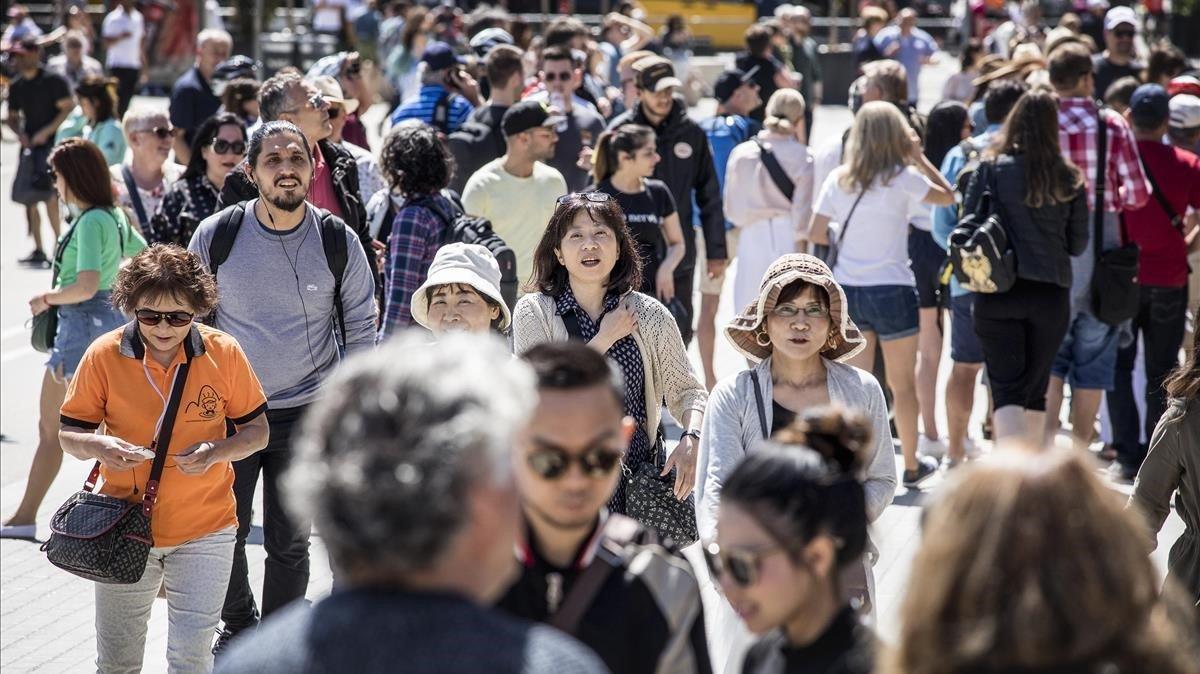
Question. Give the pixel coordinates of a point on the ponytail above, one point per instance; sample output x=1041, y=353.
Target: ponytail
x=625, y=138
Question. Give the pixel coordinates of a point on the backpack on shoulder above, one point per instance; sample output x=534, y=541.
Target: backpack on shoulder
x=980, y=253
x=333, y=240
x=463, y=228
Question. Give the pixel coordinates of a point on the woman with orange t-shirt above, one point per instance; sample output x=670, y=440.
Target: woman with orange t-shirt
x=123, y=383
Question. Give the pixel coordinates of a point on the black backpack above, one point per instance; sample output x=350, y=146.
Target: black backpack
x=333, y=240
x=973, y=154
x=980, y=253
x=472, y=146
x=463, y=228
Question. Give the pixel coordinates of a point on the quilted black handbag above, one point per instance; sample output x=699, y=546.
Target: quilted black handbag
x=107, y=539
x=650, y=499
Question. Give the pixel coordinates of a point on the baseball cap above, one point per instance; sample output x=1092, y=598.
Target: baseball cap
x=1120, y=15
x=26, y=45
x=655, y=73
x=529, y=114
x=441, y=56
x=1150, y=105
x=1097, y=4
x=332, y=91
x=1184, y=84
x=730, y=81
x=486, y=39
x=1185, y=111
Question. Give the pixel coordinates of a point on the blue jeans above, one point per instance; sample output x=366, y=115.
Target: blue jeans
x=1087, y=358
x=78, y=326
x=888, y=311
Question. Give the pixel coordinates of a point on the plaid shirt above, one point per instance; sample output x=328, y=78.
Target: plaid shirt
x=417, y=234
x=1127, y=188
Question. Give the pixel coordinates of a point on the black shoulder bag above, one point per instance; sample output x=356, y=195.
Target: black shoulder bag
x=778, y=175
x=104, y=538
x=1115, y=293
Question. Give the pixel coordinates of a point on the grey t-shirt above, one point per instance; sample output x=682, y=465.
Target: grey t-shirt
x=277, y=301
x=583, y=127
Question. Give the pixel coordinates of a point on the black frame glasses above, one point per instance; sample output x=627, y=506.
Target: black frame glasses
x=222, y=146
x=551, y=464
x=175, y=319
x=594, y=197
x=742, y=564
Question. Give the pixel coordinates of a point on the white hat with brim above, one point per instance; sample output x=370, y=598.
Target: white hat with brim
x=332, y=91
x=466, y=264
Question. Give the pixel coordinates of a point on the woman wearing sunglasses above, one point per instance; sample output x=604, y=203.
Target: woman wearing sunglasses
x=124, y=382
x=585, y=272
x=793, y=518
x=85, y=264
x=143, y=180
x=219, y=146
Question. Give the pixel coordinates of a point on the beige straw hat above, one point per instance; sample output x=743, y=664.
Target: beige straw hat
x=745, y=328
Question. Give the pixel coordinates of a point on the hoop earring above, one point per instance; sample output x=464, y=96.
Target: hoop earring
x=831, y=342
x=762, y=339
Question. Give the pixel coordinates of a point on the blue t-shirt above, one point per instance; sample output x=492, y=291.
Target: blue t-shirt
x=724, y=132
x=916, y=46
x=422, y=107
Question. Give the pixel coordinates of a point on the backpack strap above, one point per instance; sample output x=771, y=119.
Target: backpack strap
x=778, y=175
x=134, y=197
x=1101, y=164
x=441, y=114
x=333, y=240
x=618, y=531
x=224, y=236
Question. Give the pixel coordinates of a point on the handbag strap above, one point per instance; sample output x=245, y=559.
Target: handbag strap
x=1101, y=162
x=758, y=402
x=1172, y=215
x=134, y=196
x=61, y=249
x=778, y=175
x=846, y=222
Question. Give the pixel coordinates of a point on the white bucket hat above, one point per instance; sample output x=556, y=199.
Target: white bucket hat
x=467, y=264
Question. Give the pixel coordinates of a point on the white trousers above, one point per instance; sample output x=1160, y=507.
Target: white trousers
x=759, y=245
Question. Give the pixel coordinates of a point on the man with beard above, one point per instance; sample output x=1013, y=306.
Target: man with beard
x=276, y=233
x=599, y=577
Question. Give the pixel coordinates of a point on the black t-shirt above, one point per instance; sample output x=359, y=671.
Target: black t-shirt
x=37, y=99
x=1108, y=72
x=645, y=212
x=192, y=102
x=764, y=78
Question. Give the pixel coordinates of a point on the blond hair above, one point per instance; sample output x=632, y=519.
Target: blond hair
x=878, y=148
x=784, y=110
x=1030, y=563
x=890, y=77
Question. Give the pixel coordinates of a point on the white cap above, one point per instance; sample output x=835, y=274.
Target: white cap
x=1119, y=15
x=1185, y=111
x=1097, y=4
x=466, y=264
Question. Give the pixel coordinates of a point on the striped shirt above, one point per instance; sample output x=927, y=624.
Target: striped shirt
x=422, y=108
x=1126, y=187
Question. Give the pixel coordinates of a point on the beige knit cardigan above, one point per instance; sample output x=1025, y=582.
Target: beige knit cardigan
x=669, y=374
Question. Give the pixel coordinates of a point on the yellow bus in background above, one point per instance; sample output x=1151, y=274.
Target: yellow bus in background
x=719, y=24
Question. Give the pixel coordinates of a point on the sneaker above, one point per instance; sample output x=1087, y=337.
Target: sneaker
x=974, y=451
x=932, y=448
x=224, y=636
x=1120, y=473
x=28, y=531
x=925, y=467
x=35, y=259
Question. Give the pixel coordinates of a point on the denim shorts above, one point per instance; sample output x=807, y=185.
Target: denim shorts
x=78, y=325
x=888, y=311
x=964, y=343
x=1087, y=358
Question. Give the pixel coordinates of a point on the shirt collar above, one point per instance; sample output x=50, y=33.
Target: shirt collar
x=566, y=301
x=133, y=347
x=530, y=556
x=1077, y=103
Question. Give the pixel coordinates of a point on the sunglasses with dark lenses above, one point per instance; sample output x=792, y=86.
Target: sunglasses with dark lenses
x=741, y=564
x=175, y=319
x=163, y=132
x=552, y=464
x=353, y=71
x=222, y=146
x=552, y=77
x=594, y=197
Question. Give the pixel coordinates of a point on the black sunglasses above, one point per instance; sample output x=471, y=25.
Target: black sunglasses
x=551, y=77
x=163, y=132
x=551, y=464
x=222, y=146
x=175, y=319
x=741, y=564
x=594, y=197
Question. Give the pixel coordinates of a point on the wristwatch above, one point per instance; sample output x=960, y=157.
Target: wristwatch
x=691, y=433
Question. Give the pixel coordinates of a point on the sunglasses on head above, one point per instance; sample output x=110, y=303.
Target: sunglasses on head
x=551, y=464
x=222, y=146
x=552, y=77
x=594, y=197
x=742, y=565
x=163, y=132
x=175, y=319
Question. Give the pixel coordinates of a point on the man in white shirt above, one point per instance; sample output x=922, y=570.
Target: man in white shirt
x=124, y=33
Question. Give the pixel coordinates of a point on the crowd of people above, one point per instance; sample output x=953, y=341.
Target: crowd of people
x=553, y=197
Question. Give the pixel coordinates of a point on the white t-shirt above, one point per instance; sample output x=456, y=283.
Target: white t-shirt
x=126, y=53
x=328, y=19
x=875, y=249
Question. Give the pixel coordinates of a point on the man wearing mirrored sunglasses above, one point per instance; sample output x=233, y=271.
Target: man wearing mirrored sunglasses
x=600, y=577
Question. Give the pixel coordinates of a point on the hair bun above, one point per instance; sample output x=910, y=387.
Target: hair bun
x=839, y=435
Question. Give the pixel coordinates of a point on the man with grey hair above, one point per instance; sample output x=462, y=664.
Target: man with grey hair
x=406, y=467
x=192, y=97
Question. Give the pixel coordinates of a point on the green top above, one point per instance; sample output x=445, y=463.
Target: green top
x=95, y=245
x=109, y=137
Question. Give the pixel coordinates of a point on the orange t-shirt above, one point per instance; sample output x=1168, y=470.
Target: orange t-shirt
x=112, y=387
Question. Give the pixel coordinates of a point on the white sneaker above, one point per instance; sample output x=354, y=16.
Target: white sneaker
x=935, y=449
x=18, y=531
x=973, y=450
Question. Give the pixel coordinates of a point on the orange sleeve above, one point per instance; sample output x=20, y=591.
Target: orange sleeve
x=246, y=397
x=87, y=394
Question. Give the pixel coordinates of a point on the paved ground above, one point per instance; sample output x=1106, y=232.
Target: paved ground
x=46, y=614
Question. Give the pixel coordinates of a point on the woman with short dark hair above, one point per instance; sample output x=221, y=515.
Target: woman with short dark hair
x=85, y=265
x=418, y=167
x=194, y=518
x=218, y=147
x=585, y=273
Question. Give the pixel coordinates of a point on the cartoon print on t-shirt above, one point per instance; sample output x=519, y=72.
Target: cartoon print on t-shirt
x=207, y=402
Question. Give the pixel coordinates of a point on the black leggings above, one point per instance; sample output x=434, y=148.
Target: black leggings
x=1021, y=331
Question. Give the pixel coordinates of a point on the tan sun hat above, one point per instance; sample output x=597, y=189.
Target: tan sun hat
x=743, y=331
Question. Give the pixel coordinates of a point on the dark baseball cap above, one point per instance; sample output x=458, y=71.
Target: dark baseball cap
x=655, y=73
x=730, y=81
x=26, y=45
x=529, y=114
x=441, y=56
x=1150, y=105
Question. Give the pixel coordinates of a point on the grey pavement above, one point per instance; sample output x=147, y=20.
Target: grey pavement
x=46, y=615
